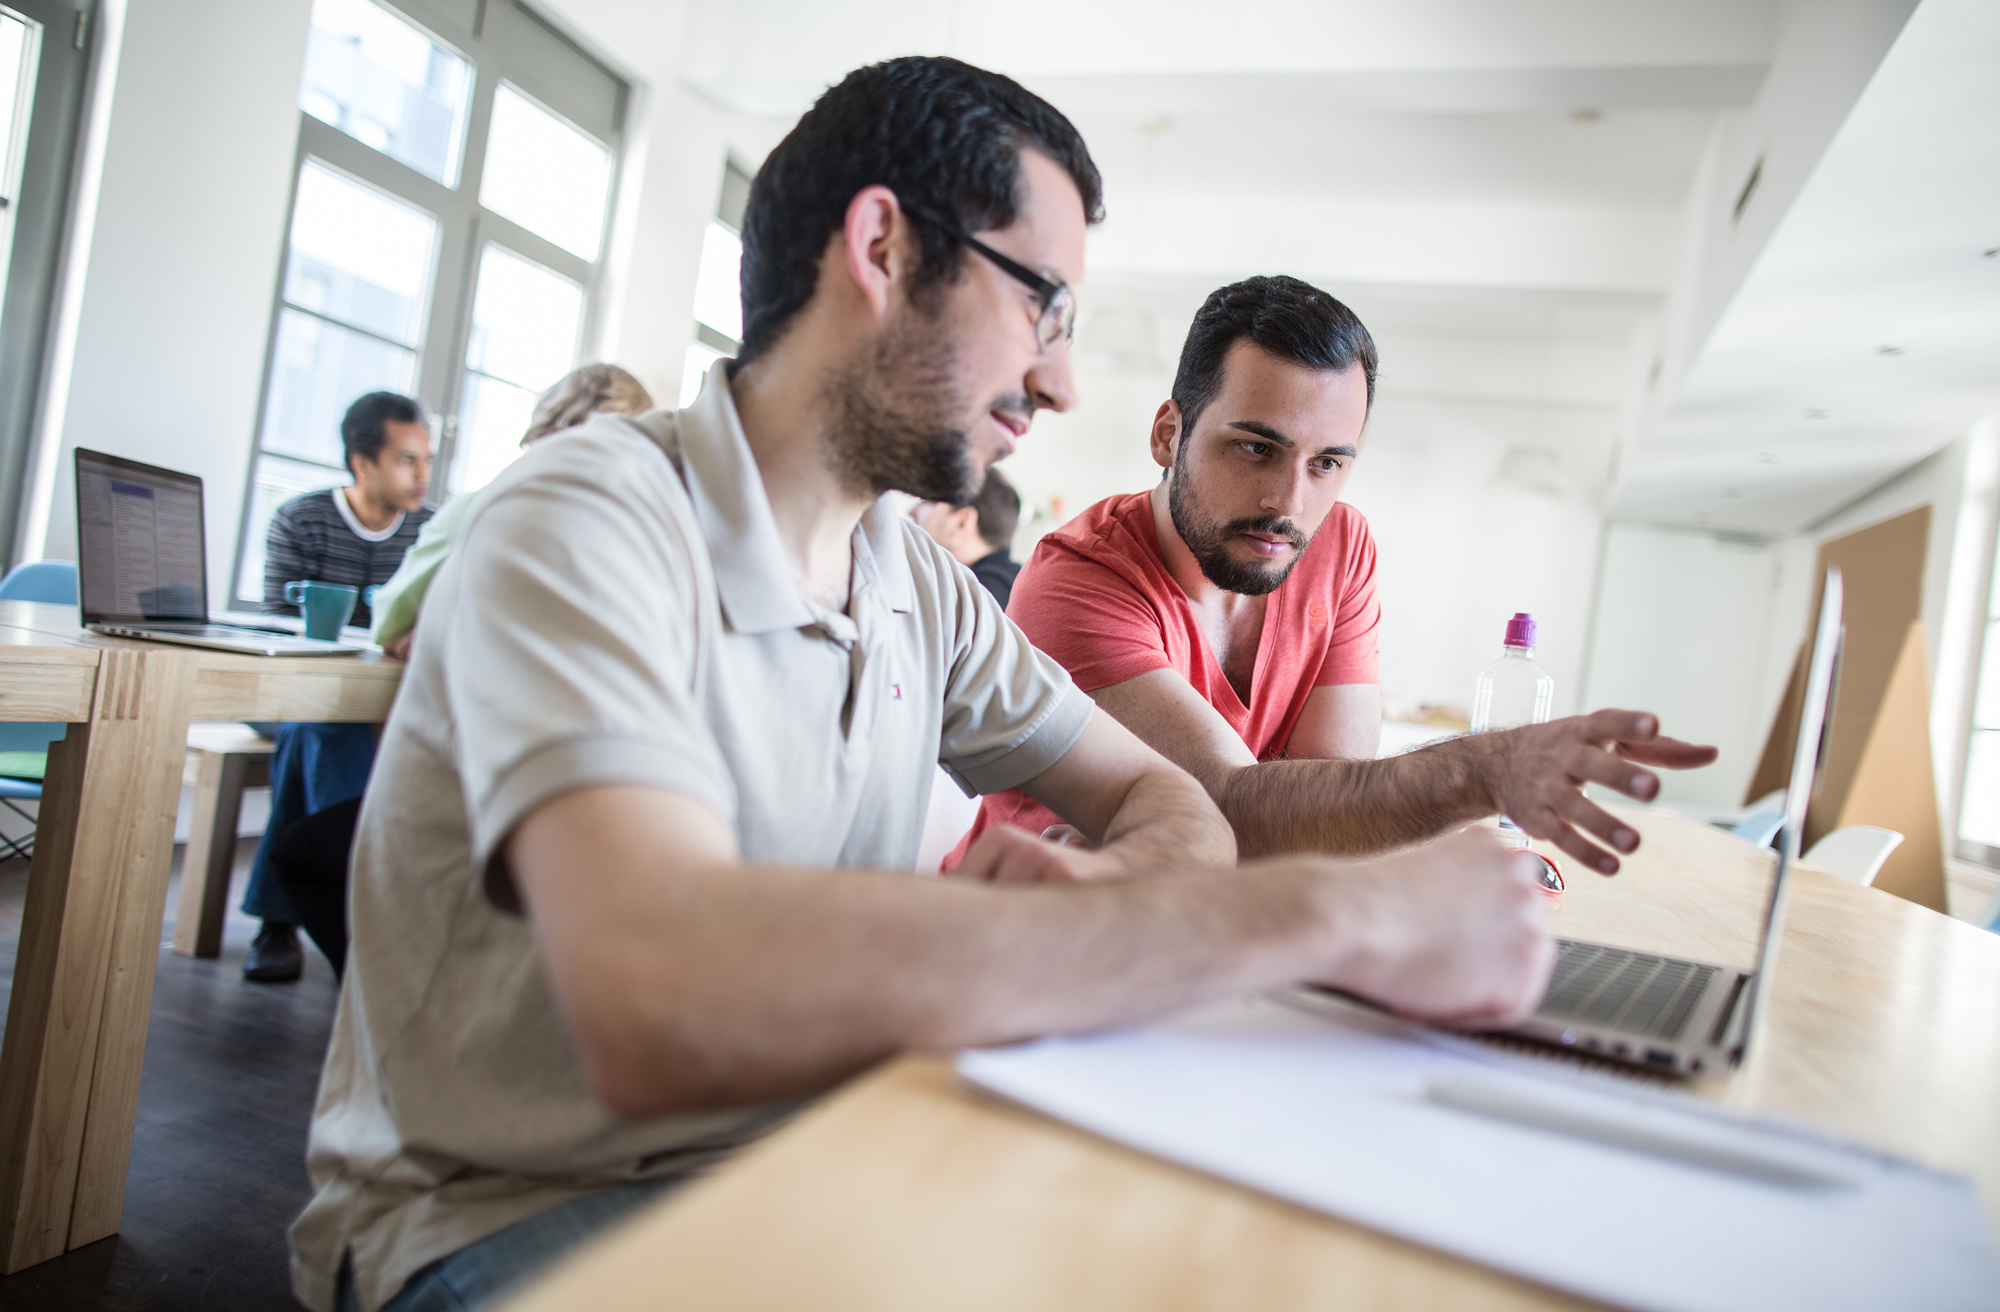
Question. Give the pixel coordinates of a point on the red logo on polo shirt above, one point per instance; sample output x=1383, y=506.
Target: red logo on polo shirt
x=1316, y=612
x=896, y=691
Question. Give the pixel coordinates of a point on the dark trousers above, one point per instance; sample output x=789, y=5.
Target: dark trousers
x=309, y=861
x=312, y=767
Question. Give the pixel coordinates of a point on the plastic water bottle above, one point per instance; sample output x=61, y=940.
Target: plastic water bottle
x=1511, y=692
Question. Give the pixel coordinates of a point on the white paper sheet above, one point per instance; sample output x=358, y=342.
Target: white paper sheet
x=1330, y=1113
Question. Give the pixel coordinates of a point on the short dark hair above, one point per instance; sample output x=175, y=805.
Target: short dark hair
x=362, y=429
x=944, y=136
x=1291, y=319
x=999, y=507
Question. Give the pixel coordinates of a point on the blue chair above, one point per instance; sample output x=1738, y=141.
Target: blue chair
x=50, y=581
x=24, y=748
x=1761, y=828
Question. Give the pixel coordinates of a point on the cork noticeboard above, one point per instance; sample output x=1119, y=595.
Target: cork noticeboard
x=1878, y=768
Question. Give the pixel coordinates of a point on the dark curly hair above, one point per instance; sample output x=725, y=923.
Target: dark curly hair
x=944, y=136
x=1291, y=319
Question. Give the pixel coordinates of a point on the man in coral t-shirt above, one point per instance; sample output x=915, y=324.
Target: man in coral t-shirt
x=1228, y=616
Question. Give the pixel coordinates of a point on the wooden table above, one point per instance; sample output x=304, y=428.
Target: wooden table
x=97, y=886
x=903, y=1191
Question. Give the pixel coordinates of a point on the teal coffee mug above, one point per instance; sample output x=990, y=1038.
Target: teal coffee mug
x=327, y=606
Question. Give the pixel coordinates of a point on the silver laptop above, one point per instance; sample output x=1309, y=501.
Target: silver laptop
x=1663, y=1013
x=142, y=562
x=1691, y=1016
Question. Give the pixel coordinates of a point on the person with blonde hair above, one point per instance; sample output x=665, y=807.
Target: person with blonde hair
x=586, y=391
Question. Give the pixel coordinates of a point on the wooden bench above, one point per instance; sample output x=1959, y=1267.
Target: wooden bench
x=222, y=761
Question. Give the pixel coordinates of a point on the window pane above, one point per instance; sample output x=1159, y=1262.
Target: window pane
x=358, y=256
x=317, y=370
x=1979, y=816
x=545, y=175
x=387, y=85
x=525, y=321
x=277, y=481
x=718, y=289
x=491, y=418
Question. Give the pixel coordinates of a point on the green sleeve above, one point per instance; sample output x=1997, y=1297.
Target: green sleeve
x=397, y=604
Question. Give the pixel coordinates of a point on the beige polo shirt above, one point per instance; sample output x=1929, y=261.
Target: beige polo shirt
x=620, y=611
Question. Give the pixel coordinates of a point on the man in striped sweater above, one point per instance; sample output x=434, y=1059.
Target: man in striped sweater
x=355, y=535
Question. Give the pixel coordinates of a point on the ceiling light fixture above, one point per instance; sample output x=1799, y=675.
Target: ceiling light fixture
x=1888, y=350
x=1991, y=252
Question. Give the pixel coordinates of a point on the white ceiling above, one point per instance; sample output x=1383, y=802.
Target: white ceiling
x=1868, y=333
x=1529, y=174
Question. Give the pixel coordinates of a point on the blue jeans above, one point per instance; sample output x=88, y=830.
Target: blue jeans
x=481, y=1274
x=313, y=767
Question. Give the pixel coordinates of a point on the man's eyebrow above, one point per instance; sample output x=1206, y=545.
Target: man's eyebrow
x=1270, y=434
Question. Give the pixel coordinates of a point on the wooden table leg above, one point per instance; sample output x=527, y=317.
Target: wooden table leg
x=90, y=941
x=211, y=853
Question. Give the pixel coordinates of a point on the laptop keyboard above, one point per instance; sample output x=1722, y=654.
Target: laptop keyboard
x=1631, y=991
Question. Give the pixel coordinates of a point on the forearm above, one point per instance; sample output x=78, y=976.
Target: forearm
x=1358, y=808
x=741, y=984
x=1167, y=821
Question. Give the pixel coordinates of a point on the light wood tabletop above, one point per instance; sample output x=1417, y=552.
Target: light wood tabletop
x=904, y=1191
x=97, y=885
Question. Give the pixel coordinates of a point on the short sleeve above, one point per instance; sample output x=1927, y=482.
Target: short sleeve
x=1090, y=617
x=1353, y=655
x=1010, y=712
x=571, y=642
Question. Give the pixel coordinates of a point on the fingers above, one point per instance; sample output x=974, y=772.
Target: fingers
x=1012, y=856
x=1609, y=726
x=1066, y=836
x=1669, y=754
x=1559, y=823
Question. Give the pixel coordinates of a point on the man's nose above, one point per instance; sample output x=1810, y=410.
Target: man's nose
x=1282, y=494
x=1050, y=381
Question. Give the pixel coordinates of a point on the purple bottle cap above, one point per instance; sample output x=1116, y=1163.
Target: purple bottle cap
x=1521, y=630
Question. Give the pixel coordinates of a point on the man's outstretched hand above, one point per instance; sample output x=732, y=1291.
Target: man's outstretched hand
x=1537, y=774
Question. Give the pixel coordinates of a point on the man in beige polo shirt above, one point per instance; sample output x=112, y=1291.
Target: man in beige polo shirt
x=623, y=885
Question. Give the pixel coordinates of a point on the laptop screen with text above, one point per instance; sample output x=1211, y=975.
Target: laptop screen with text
x=140, y=545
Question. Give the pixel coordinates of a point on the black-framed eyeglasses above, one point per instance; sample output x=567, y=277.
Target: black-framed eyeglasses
x=1056, y=321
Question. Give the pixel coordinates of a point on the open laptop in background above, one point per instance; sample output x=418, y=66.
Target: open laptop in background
x=1691, y=1016
x=1663, y=1013
x=142, y=562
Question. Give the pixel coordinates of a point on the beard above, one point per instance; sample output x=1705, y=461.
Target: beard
x=1208, y=539
x=898, y=416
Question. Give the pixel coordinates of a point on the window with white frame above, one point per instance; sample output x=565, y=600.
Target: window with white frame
x=457, y=163
x=718, y=289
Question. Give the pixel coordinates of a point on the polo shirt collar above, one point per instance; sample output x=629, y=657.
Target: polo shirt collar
x=752, y=577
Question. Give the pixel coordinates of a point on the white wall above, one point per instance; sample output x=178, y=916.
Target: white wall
x=183, y=259
x=1704, y=629
x=1683, y=626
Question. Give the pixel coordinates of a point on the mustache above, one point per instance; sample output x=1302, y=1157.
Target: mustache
x=1276, y=527
x=1018, y=405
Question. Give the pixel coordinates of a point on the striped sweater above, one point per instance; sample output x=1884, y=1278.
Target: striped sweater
x=316, y=537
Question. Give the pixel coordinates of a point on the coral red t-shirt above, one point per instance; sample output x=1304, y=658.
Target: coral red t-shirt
x=1096, y=595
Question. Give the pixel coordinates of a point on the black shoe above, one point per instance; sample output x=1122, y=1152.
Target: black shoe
x=274, y=957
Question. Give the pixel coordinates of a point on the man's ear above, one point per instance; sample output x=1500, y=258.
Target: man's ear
x=1166, y=431
x=965, y=520
x=876, y=236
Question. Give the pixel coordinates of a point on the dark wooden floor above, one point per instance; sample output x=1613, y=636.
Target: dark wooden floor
x=218, y=1162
